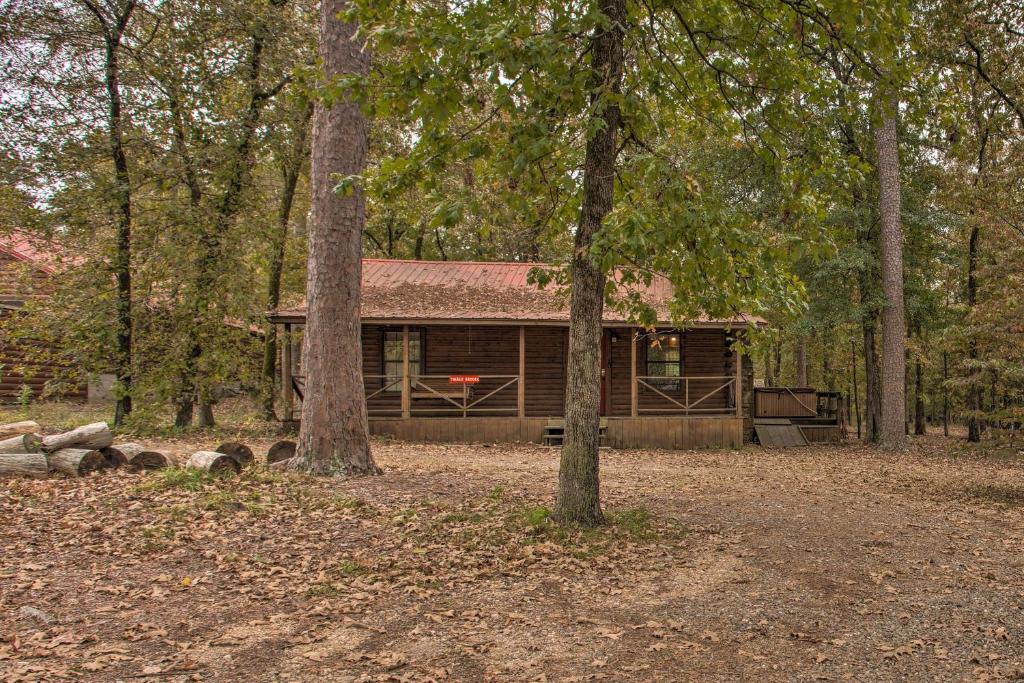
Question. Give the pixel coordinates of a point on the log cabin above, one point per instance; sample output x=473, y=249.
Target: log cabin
x=468, y=351
x=27, y=266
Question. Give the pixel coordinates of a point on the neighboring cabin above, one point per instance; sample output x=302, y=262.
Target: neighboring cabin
x=463, y=351
x=27, y=266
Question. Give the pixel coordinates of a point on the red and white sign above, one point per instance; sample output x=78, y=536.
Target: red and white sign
x=463, y=379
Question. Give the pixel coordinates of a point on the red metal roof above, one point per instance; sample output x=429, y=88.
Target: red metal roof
x=32, y=250
x=476, y=291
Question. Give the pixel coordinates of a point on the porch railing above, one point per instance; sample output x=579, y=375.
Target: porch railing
x=443, y=397
x=688, y=398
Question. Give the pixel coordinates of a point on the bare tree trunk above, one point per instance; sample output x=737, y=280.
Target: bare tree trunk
x=777, y=368
x=974, y=390
x=417, y=251
x=113, y=27
x=333, y=436
x=919, y=419
x=872, y=384
x=800, y=361
x=856, y=391
x=579, y=500
x=893, y=429
x=945, y=393
x=291, y=168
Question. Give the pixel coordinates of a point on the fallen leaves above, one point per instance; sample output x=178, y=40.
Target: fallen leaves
x=437, y=568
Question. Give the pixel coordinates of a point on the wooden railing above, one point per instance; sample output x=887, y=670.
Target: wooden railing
x=443, y=397
x=688, y=399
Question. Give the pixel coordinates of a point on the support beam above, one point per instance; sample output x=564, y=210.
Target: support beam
x=287, y=394
x=739, y=381
x=634, y=407
x=406, y=381
x=522, y=372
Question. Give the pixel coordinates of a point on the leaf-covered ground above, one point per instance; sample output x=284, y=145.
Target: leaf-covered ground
x=832, y=563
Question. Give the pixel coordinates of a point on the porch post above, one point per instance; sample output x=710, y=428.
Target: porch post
x=633, y=398
x=739, y=382
x=406, y=385
x=522, y=372
x=286, y=373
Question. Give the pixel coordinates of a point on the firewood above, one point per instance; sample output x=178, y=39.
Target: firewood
x=91, y=436
x=280, y=465
x=214, y=462
x=138, y=458
x=75, y=462
x=17, y=428
x=24, y=443
x=31, y=465
x=114, y=458
x=282, y=450
x=239, y=451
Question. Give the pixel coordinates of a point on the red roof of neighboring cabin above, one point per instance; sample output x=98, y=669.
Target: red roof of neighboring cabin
x=477, y=291
x=32, y=250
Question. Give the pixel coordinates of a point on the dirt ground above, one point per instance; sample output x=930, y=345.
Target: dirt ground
x=828, y=563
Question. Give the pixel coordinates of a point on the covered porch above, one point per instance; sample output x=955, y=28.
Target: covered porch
x=459, y=382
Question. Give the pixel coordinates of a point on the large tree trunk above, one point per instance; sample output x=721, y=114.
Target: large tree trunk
x=579, y=500
x=290, y=170
x=333, y=435
x=893, y=429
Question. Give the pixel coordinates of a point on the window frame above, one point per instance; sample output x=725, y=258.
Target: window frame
x=664, y=382
x=421, y=361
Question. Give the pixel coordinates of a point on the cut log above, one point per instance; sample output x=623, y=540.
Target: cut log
x=25, y=443
x=214, y=462
x=16, y=428
x=280, y=465
x=138, y=458
x=114, y=457
x=239, y=451
x=282, y=450
x=75, y=462
x=31, y=465
x=91, y=436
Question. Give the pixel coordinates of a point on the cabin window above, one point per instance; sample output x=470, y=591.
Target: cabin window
x=665, y=360
x=393, y=358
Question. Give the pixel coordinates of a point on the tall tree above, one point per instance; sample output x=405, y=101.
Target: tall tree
x=579, y=500
x=291, y=163
x=113, y=18
x=333, y=435
x=894, y=341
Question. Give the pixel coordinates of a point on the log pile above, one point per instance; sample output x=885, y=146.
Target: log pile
x=91, y=448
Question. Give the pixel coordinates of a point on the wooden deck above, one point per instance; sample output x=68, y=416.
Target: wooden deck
x=679, y=433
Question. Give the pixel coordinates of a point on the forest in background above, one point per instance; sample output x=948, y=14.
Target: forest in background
x=165, y=145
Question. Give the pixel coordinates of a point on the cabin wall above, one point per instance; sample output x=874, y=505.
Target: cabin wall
x=20, y=282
